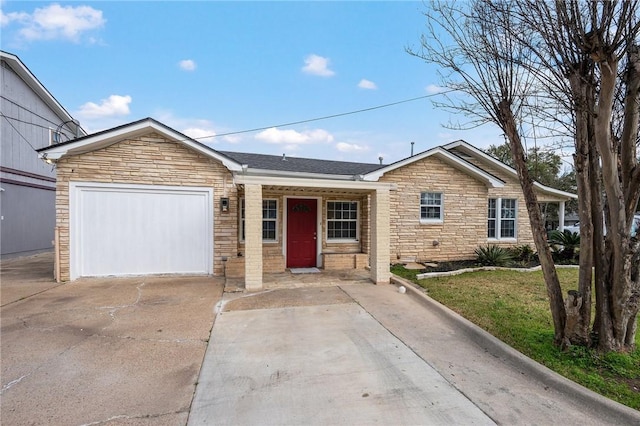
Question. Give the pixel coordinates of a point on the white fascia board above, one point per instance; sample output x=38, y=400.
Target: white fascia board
x=472, y=150
x=241, y=179
x=103, y=139
x=266, y=172
x=27, y=76
x=554, y=192
x=447, y=157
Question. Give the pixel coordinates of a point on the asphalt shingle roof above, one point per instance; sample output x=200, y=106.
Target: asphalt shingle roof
x=301, y=165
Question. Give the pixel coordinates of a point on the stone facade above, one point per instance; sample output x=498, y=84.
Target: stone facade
x=154, y=160
x=148, y=160
x=465, y=201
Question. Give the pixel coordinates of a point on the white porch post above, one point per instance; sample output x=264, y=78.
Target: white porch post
x=253, y=237
x=380, y=251
x=561, y=216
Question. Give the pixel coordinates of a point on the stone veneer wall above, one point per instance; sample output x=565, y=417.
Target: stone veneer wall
x=465, y=213
x=511, y=189
x=151, y=160
x=273, y=249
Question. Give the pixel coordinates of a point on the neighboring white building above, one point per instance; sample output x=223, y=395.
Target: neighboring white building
x=30, y=118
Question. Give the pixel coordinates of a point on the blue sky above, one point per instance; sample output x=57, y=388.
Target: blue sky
x=210, y=68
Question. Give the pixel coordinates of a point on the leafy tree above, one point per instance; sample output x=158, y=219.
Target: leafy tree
x=544, y=166
x=573, y=67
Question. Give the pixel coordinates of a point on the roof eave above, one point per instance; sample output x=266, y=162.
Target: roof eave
x=444, y=155
x=103, y=139
x=32, y=81
x=483, y=155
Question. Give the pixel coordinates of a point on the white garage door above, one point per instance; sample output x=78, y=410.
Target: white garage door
x=139, y=229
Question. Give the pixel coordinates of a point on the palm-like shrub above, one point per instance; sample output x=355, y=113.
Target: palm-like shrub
x=565, y=243
x=492, y=255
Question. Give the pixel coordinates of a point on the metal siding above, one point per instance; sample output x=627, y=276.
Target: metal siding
x=28, y=219
x=29, y=213
x=119, y=230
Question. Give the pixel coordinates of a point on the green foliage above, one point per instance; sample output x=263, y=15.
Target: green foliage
x=523, y=253
x=565, y=244
x=492, y=255
x=543, y=166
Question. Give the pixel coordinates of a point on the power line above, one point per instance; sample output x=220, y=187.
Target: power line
x=326, y=117
x=17, y=131
x=28, y=110
x=55, y=124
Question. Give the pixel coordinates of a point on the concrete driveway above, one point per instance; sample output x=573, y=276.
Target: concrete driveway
x=98, y=351
x=338, y=350
x=326, y=362
x=356, y=353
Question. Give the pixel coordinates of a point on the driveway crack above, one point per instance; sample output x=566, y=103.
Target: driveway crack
x=113, y=310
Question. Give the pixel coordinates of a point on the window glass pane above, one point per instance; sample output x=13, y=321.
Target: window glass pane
x=491, y=228
x=508, y=229
x=268, y=230
x=492, y=208
x=508, y=208
x=431, y=205
x=342, y=220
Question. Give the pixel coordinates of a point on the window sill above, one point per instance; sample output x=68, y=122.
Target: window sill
x=336, y=241
x=431, y=221
x=502, y=240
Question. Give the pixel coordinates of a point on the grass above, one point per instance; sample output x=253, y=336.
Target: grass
x=513, y=306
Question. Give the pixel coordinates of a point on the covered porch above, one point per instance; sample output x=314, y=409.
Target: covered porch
x=311, y=222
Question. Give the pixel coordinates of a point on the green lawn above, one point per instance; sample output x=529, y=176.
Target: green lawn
x=513, y=306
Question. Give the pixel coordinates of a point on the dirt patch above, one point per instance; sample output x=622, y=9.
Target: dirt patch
x=283, y=298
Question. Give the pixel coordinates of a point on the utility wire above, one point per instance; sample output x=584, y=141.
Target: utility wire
x=17, y=131
x=53, y=123
x=326, y=117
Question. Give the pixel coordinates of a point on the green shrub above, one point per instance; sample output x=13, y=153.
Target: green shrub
x=492, y=255
x=523, y=253
x=565, y=244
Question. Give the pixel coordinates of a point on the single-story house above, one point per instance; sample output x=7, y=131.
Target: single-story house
x=143, y=198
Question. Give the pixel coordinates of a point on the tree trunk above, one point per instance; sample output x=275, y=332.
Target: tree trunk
x=578, y=320
x=618, y=273
x=552, y=282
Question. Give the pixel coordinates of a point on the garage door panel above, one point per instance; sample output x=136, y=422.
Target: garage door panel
x=123, y=230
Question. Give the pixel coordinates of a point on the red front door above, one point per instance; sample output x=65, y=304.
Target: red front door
x=301, y=232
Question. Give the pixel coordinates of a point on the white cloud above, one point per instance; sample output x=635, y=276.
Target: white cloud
x=201, y=134
x=114, y=105
x=187, y=65
x=293, y=137
x=317, y=65
x=202, y=130
x=367, y=84
x=351, y=147
x=433, y=89
x=56, y=22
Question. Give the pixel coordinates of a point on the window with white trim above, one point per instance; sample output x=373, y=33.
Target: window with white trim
x=501, y=221
x=269, y=220
x=342, y=220
x=431, y=207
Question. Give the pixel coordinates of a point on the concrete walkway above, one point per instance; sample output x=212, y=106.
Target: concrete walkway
x=509, y=387
x=364, y=354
